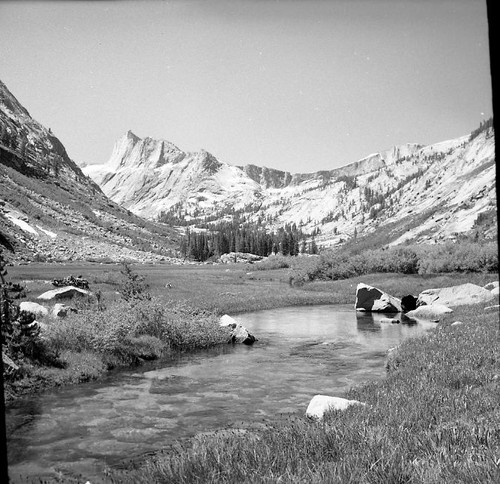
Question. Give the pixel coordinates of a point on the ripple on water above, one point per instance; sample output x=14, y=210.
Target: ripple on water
x=135, y=435
x=107, y=447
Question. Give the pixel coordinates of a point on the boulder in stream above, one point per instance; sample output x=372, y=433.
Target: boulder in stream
x=370, y=298
x=429, y=311
x=456, y=295
x=239, y=334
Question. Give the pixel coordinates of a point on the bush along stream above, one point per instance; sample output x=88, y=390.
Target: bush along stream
x=97, y=338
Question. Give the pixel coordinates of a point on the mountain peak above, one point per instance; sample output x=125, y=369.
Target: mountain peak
x=130, y=135
x=11, y=104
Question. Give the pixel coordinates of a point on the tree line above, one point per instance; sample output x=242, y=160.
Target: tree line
x=226, y=237
x=483, y=126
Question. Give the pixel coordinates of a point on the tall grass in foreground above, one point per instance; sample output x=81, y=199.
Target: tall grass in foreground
x=434, y=419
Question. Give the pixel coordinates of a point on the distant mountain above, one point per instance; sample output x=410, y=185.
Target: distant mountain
x=410, y=192
x=50, y=210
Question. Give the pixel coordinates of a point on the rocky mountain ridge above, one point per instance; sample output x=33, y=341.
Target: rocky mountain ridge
x=51, y=211
x=412, y=192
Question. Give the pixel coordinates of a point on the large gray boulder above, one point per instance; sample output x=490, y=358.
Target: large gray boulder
x=34, y=308
x=61, y=310
x=429, y=311
x=239, y=334
x=455, y=295
x=8, y=362
x=323, y=403
x=67, y=292
x=370, y=298
x=236, y=257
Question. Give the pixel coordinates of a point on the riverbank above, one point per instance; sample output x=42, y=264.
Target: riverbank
x=182, y=314
x=435, y=418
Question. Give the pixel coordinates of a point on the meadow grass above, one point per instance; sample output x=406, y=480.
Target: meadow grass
x=434, y=419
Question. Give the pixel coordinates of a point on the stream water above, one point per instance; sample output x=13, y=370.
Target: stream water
x=301, y=352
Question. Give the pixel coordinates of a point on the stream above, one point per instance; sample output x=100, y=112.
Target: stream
x=302, y=351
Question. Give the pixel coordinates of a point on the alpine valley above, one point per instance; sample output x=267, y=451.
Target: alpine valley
x=422, y=194
x=137, y=205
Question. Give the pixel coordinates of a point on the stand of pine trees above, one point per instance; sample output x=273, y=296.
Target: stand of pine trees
x=483, y=126
x=226, y=237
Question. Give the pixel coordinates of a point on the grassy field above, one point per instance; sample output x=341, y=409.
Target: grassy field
x=232, y=288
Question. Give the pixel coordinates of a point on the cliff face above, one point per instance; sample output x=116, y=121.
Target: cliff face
x=33, y=147
x=428, y=193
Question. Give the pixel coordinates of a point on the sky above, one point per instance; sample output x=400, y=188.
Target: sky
x=297, y=85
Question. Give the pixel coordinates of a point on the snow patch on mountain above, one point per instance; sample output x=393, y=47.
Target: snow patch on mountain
x=22, y=224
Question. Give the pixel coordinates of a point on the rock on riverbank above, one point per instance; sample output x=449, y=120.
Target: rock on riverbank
x=239, y=333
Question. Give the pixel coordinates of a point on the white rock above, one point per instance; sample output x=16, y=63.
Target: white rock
x=429, y=311
x=63, y=292
x=61, y=310
x=455, y=295
x=34, y=308
x=227, y=320
x=457, y=323
x=323, y=403
x=496, y=307
x=239, y=333
x=8, y=361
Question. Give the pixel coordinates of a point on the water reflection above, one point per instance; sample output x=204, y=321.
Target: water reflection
x=366, y=322
x=373, y=321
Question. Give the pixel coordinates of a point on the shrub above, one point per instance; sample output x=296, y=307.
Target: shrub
x=459, y=257
x=20, y=335
x=125, y=331
x=133, y=286
x=421, y=259
x=274, y=262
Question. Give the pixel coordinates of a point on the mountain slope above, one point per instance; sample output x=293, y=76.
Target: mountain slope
x=150, y=176
x=419, y=193
x=50, y=210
